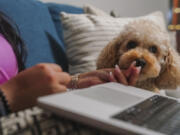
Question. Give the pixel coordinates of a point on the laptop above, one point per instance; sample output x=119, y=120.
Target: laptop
x=118, y=109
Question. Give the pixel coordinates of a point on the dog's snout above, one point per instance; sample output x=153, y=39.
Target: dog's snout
x=140, y=62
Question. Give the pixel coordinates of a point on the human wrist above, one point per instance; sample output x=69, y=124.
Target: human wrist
x=4, y=106
x=9, y=89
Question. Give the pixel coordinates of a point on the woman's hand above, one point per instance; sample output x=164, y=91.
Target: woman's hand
x=91, y=78
x=43, y=79
x=126, y=77
x=23, y=90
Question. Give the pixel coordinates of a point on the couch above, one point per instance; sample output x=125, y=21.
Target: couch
x=40, y=28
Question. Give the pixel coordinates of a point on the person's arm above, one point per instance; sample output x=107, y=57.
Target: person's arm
x=23, y=90
x=4, y=106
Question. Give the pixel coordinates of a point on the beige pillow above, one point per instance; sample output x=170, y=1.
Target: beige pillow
x=90, y=9
x=86, y=35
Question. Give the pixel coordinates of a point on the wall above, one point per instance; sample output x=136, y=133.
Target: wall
x=123, y=8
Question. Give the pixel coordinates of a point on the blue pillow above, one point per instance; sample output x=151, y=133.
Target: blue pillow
x=55, y=10
x=37, y=30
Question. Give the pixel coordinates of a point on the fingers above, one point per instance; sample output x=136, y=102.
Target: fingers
x=102, y=74
x=134, y=75
x=59, y=89
x=89, y=81
x=53, y=66
x=111, y=77
x=59, y=82
x=127, y=72
x=56, y=67
x=127, y=77
x=63, y=78
x=120, y=76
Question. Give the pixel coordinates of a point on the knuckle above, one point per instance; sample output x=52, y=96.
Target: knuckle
x=68, y=77
x=46, y=73
x=60, y=68
x=50, y=78
x=42, y=67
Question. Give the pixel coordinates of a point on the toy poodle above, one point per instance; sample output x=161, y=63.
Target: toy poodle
x=148, y=45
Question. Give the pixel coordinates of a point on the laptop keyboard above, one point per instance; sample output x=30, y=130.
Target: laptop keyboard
x=157, y=113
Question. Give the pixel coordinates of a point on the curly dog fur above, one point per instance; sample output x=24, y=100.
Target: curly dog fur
x=146, y=41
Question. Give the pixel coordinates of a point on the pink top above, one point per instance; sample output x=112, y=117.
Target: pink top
x=8, y=61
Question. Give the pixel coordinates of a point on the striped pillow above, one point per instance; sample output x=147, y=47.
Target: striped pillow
x=90, y=9
x=86, y=35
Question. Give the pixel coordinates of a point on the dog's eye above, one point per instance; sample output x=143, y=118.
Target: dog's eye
x=153, y=49
x=131, y=45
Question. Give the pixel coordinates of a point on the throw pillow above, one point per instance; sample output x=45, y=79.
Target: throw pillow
x=90, y=9
x=86, y=35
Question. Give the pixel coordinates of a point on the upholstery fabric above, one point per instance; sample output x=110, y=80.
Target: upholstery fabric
x=55, y=10
x=37, y=30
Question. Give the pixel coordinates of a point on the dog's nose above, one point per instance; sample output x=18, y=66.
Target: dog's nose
x=140, y=62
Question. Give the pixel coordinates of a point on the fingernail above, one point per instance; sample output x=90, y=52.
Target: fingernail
x=110, y=76
x=133, y=63
x=110, y=73
x=138, y=69
x=116, y=66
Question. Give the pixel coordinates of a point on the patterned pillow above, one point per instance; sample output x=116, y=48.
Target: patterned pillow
x=86, y=35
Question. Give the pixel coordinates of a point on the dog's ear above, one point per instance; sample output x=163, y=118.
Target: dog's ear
x=170, y=77
x=109, y=55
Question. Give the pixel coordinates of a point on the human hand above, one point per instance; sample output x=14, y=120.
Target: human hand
x=127, y=77
x=91, y=78
x=23, y=90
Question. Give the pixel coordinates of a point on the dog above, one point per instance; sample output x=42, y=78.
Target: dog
x=148, y=45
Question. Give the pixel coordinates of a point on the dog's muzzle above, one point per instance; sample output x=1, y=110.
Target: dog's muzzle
x=140, y=62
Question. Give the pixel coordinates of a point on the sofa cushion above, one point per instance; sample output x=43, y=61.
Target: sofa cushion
x=55, y=10
x=37, y=30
